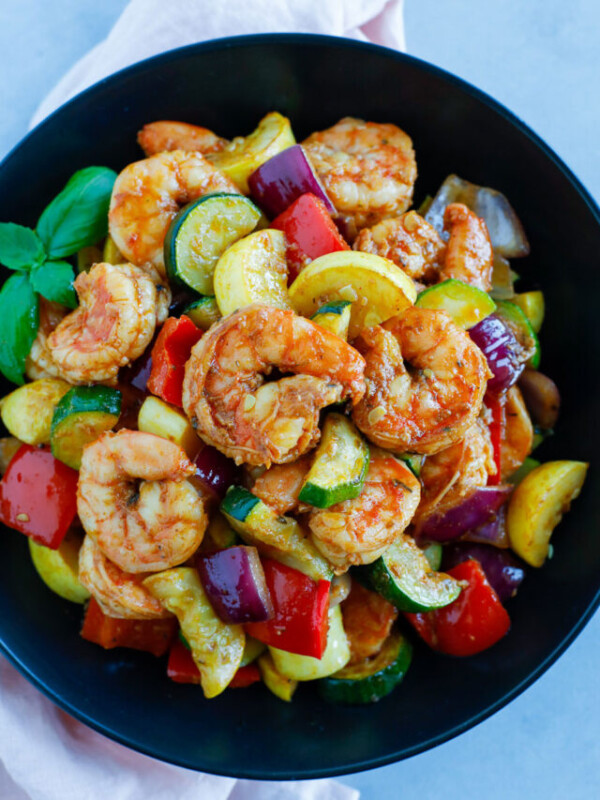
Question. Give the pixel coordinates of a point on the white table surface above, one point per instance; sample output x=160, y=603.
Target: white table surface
x=541, y=58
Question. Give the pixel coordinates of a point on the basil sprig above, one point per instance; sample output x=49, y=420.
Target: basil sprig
x=76, y=218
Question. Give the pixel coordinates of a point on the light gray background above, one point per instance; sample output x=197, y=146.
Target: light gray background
x=541, y=58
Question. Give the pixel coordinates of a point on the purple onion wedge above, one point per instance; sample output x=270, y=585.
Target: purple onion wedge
x=501, y=349
x=215, y=470
x=493, y=531
x=234, y=582
x=282, y=179
x=472, y=513
x=503, y=570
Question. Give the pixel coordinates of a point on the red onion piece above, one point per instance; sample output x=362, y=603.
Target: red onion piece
x=493, y=531
x=234, y=582
x=216, y=471
x=503, y=570
x=282, y=179
x=501, y=349
x=541, y=397
x=473, y=512
x=506, y=232
x=137, y=374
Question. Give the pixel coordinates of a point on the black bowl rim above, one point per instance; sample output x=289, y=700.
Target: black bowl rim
x=509, y=116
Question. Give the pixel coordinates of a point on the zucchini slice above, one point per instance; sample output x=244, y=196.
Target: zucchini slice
x=518, y=323
x=404, y=577
x=203, y=312
x=340, y=466
x=276, y=537
x=201, y=233
x=334, y=317
x=466, y=304
x=371, y=679
x=82, y=415
x=413, y=462
x=27, y=412
x=533, y=306
x=278, y=684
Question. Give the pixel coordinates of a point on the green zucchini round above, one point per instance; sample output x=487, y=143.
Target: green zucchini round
x=81, y=416
x=467, y=305
x=203, y=312
x=520, y=325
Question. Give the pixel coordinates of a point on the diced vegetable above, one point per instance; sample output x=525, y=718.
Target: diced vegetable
x=275, y=536
x=252, y=650
x=500, y=347
x=245, y=676
x=532, y=305
x=59, y=569
x=169, y=354
x=151, y=635
x=38, y=496
x=381, y=288
x=370, y=680
x=503, y=279
x=403, y=576
x=8, y=449
x=215, y=471
x=111, y=253
x=234, y=582
x=537, y=506
x=203, y=312
x=27, y=412
x=433, y=554
x=80, y=417
x=340, y=465
x=541, y=398
x=506, y=232
x=309, y=232
x=217, y=648
x=413, y=462
x=137, y=374
x=284, y=178
x=300, y=608
x=282, y=687
x=156, y=416
x=474, y=511
x=334, y=317
x=497, y=425
x=181, y=668
x=503, y=570
x=526, y=467
x=493, y=531
x=466, y=304
x=253, y=270
x=219, y=534
x=473, y=622
x=200, y=234
x=245, y=154
x=305, y=668
x=514, y=318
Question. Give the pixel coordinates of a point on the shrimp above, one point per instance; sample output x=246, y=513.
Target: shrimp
x=156, y=137
x=451, y=475
x=118, y=593
x=432, y=405
x=133, y=499
x=119, y=308
x=368, y=168
x=469, y=255
x=149, y=193
x=279, y=487
x=368, y=620
x=39, y=363
x=517, y=438
x=232, y=408
x=358, y=531
x=410, y=242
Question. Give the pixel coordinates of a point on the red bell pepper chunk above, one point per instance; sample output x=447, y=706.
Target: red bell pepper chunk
x=496, y=428
x=309, y=231
x=169, y=354
x=182, y=669
x=299, y=624
x=473, y=622
x=152, y=635
x=38, y=495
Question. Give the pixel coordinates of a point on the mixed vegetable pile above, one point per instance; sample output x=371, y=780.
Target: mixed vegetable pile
x=377, y=488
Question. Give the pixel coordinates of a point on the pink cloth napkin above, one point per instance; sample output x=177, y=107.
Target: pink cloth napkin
x=45, y=754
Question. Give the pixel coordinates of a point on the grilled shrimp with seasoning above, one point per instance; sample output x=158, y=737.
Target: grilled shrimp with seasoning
x=469, y=256
x=157, y=137
x=134, y=501
x=149, y=193
x=367, y=168
x=517, y=435
x=358, y=531
x=230, y=405
x=119, y=309
x=119, y=594
x=431, y=403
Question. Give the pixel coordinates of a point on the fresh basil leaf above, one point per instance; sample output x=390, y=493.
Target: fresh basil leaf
x=20, y=247
x=78, y=216
x=54, y=281
x=19, y=321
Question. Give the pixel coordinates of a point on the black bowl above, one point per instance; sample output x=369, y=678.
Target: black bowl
x=228, y=85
